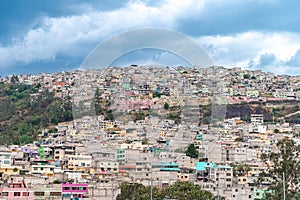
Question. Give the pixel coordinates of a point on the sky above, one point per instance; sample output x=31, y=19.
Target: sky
x=53, y=35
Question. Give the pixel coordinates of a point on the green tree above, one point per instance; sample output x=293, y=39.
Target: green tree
x=135, y=191
x=239, y=139
x=166, y=106
x=23, y=114
x=234, y=168
x=247, y=168
x=246, y=76
x=285, y=163
x=179, y=191
x=192, y=151
x=186, y=190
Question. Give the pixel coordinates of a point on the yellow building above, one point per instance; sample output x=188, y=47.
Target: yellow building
x=5, y=164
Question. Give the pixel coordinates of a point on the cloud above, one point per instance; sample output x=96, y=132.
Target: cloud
x=235, y=16
x=150, y=57
x=237, y=37
x=269, y=51
x=75, y=35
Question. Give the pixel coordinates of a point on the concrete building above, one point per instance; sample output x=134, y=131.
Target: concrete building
x=16, y=190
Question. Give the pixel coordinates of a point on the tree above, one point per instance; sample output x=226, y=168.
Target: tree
x=239, y=139
x=246, y=76
x=145, y=141
x=192, y=151
x=186, y=190
x=135, y=191
x=285, y=163
x=179, y=190
x=166, y=106
x=247, y=168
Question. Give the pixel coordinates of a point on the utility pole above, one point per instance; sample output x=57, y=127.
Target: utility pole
x=26, y=192
x=283, y=179
x=218, y=186
x=112, y=190
x=151, y=190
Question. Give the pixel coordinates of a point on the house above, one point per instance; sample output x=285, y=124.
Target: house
x=74, y=190
x=256, y=125
x=54, y=192
x=187, y=175
x=6, y=167
x=5, y=158
x=211, y=172
x=79, y=162
x=16, y=190
x=43, y=167
x=109, y=166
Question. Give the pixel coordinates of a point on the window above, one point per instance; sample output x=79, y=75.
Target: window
x=55, y=194
x=67, y=188
x=24, y=194
x=6, y=162
x=74, y=188
x=39, y=193
x=7, y=157
x=5, y=194
x=17, y=194
x=249, y=196
x=35, y=168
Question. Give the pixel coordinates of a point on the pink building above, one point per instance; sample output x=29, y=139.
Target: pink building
x=75, y=190
x=16, y=190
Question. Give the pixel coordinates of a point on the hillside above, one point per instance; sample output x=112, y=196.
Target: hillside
x=24, y=110
x=273, y=111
